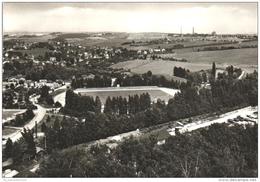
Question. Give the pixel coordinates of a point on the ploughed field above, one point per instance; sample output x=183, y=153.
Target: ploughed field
x=103, y=93
x=245, y=58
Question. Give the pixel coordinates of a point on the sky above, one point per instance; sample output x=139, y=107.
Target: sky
x=130, y=17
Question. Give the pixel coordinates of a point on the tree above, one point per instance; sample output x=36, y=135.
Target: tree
x=28, y=138
x=48, y=119
x=19, y=149
x=213, y=71
x=230, y=70
x=69, y=99
x=56, y=124
x=149, y=73
x=43, y=127
x=8, y=148
x=253, y=97
x=204, y=77
x=49, y=100
x=108, y=105
x=35, y=129
x=57, y=104
x=19, y=121
x=44, y=91
x=12, y=86
x=98, y=105
x=29, y=113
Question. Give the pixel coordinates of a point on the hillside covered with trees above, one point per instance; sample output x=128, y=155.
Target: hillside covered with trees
x=219, y=151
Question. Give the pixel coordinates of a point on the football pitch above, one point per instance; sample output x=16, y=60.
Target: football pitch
x=155, y=92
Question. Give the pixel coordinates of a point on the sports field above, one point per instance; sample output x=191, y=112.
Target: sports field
x=103, y=93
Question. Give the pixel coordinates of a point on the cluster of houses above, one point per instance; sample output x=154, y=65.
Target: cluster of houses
x=22, y=82
x=60, y=54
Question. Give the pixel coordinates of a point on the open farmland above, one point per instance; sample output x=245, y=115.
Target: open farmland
x=103, y=93
x=31, y=39
x=90, y=39
x=160, y=67
x=243, y=58
x=88, y=42
x=233, y=56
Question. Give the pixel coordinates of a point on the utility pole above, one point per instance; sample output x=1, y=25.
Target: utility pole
x=181, y=32
x=35, y=129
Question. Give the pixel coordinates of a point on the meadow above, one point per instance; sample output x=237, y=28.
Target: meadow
x=246, y=59
x=8, y=131
x=159, y=67
x=232, y=56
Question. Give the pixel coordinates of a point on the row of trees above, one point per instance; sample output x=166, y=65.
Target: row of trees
x=147, y=79
x=134, y=104
x=180, y=72
x=97, y=81
x=80, y=105
x=219, y=151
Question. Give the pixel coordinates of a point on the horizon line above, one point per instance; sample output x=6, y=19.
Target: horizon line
x=4, y=32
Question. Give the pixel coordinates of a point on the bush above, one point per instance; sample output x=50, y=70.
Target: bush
x=57, y=104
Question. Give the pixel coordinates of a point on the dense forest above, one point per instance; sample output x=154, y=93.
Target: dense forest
x=219, y=151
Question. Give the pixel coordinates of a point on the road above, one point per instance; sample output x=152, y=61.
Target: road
x=222, y=119
x=242, y=75
x=60, y=98
x=39, y=114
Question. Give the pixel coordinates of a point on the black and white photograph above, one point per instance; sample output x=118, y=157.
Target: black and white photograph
x=130, y=90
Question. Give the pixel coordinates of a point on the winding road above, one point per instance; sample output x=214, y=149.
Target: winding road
x=39, y=115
